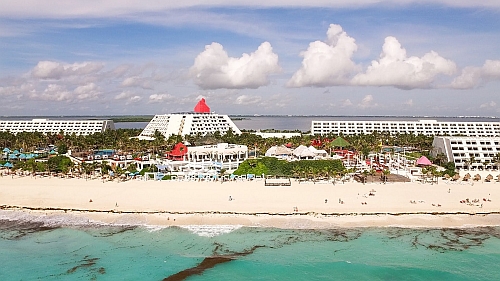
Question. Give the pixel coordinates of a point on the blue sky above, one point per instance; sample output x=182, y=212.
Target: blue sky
x=358, y=57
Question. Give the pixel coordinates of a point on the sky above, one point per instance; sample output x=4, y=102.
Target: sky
x=316, y=57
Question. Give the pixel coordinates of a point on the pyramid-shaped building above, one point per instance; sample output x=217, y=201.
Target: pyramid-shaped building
x=201, y=120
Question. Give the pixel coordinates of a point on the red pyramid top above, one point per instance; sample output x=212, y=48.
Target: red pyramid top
x=202, y=107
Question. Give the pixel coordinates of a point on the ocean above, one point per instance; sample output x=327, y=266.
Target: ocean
x=57, y=249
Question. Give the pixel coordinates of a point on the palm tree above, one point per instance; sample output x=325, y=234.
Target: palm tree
x=386, y=173
x=365, y=176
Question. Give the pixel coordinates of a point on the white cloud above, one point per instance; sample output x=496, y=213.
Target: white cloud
x=246, y=99
x=141, y=82
x=128, y=97
x=409, y=102
x=491, y=69
x=123, y=96
x=135, y=98
x=487, y=105
x=155, y=98
x=472, y=77
x=394, y=68
x=327, y=63
x=52, y=92
x=214, y=69
x=346, y=103
x=367, y=102
x=57, y=70
x=87, y=92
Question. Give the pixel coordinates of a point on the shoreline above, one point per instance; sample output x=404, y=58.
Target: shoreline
x=250, y=203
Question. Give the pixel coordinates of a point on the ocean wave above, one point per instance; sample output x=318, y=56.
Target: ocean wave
x=210, y=230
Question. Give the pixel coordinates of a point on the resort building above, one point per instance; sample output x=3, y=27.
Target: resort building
x=78, y=127
x=185, y=160
x=201, y=121
x=418, y=127
x=222, y=155
x=469, y=152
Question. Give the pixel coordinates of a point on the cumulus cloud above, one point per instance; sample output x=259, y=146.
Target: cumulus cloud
x=346, y=103
x=52, y=92
x=327, y=63
x=128, y=97
x=367, y=102
x=57, y=70
x=214, y=69
x=472, y=77
x=87, y=92
x=156, y=98
x=394, y=68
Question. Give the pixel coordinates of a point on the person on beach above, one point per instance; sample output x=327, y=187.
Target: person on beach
x=326, y=201
x=230, y=198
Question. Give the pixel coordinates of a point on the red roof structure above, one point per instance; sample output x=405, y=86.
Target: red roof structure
x=202, y=107
x=178, y=152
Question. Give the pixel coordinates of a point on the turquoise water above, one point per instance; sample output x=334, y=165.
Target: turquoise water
x=33, y=251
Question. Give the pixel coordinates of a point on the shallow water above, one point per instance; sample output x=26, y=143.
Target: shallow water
x=33, y=250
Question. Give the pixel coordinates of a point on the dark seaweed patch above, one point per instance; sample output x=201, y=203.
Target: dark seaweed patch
x=107, y=231
x=17, y=229
x=444, y=240
x=90, y=264
x=210, y=262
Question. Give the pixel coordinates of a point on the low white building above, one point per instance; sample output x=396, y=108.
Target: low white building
x=78, y=127
x=277, y=135
x=222, y=155
x=461, y=150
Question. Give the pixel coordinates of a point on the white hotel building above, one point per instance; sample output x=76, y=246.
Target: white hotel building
x=201, y=120
x=78, y=127
x=425, y=127
x=461, y=150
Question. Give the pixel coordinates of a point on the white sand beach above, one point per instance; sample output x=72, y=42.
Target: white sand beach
x=301, y=205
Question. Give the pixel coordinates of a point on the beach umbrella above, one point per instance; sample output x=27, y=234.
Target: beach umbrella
x=15, y=152
x=477, y=177
x=489, y=177
x=12, y=156
x=446, y=176
x=456, y=177
x=8, y=165
x=6, y=150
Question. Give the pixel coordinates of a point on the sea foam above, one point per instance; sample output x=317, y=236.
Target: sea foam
x=210, y=230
